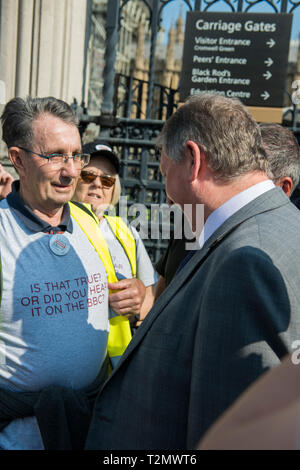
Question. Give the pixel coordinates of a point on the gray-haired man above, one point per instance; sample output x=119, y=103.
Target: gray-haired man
x=283, y=155
x=232, y=311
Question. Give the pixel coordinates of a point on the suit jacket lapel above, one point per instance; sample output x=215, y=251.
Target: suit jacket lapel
x=267, y=201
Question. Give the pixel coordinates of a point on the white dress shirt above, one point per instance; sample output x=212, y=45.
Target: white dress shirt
x=226, y=210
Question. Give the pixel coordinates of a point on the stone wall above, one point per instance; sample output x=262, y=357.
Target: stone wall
x=42, y=49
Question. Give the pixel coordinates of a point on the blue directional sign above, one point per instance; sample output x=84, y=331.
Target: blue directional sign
x=243, y=55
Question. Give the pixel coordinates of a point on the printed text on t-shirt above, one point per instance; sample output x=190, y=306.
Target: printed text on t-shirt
x=63, y=296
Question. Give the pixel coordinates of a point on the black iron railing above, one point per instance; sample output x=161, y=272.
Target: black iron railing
x=130, y=98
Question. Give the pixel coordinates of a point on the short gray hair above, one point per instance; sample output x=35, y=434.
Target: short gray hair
x=222, y=128
x=283, y=152
x=18, y=116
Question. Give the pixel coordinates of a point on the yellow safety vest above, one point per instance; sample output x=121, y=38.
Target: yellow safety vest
x=119, y=332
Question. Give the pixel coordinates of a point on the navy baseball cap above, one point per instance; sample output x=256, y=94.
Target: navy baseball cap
x=99, y=149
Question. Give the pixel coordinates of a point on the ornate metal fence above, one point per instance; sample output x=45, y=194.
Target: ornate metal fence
x=133, y=92
x=134, y=139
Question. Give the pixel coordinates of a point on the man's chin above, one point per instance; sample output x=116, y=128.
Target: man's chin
x=62, y=197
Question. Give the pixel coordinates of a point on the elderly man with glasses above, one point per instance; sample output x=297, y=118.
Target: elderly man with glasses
x=54, y=324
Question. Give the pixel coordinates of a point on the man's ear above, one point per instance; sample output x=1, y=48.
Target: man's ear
x=194, y=159
x=286, y=184
x=16, y=158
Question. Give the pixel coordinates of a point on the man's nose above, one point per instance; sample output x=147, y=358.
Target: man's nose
x=70, y=168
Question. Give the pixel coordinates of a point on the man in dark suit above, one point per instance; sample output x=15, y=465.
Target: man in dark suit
x=232, y=312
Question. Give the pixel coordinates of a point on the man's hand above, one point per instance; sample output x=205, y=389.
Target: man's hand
x=5, y=182
x=129, y=298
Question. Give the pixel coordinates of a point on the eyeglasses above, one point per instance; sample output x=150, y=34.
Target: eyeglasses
x=58, y=159
x=106, y=180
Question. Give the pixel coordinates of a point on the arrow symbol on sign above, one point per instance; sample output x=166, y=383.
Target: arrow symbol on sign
x=267, y=75
x=269, y=62
x=265, y=95
x=271, y=43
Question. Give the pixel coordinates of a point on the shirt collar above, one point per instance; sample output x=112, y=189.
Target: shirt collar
x=226, y=210
x=31, y=220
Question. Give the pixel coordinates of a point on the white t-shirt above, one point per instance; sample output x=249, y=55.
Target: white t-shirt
x=53, y=317
x=145, y=271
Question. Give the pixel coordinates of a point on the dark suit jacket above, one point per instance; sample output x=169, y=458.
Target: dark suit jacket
x=231, y=313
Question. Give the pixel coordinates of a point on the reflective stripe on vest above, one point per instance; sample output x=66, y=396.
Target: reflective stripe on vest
x=119, y=331
x=125, y=237
x=121, y=232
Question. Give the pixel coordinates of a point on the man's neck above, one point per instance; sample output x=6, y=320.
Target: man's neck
x=219, y=192
x=213, y=193
x=53, y=216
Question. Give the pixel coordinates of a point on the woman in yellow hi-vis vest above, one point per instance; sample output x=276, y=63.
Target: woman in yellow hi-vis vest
x=131, y=275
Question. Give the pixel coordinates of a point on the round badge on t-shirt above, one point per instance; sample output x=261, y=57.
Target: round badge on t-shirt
x=59, y=244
